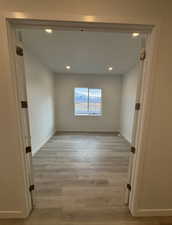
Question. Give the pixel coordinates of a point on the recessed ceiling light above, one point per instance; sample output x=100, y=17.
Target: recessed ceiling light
x=110, y=68
x=49, y=31
x=135, y=34
x=68, y=67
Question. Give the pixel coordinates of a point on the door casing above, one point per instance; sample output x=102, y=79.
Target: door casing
x=13, y=23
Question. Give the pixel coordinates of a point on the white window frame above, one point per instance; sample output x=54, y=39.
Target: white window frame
x=88, y=114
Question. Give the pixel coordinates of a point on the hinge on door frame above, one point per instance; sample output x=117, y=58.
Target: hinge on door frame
x=133, y=149
x=19, y=51
x=129, y=187
x=28, y=149
x=143, y=54
x=137, y=106
x=24, y=104
x=32, y=187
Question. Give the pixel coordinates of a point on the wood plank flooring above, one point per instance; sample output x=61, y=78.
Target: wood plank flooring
x=81, y=172
x=80, y=180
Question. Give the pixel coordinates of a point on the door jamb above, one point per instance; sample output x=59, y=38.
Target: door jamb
x=145, y=90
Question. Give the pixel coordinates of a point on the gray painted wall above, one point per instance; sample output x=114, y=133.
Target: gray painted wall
x=111, y=92
x=40, y=93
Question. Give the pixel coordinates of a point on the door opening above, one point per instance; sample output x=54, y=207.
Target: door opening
x=87, y=104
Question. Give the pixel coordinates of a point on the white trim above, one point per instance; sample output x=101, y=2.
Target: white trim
x=143, y=123
x=42, y=143
x=129, y=142
x=136, y=184
x=85, y=115
x=24, y=212
x=152, y=212
x=88, y=131
x=12, y=214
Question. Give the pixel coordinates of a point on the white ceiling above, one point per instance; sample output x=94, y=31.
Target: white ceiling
x=86, y=52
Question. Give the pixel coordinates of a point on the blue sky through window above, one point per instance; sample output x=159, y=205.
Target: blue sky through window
x=88, y=101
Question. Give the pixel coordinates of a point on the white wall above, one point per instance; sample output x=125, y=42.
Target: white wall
x=128, y=99
x=153, y=183
x=111, y=91
x=40, y=93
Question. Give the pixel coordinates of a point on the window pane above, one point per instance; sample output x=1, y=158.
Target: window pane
x=95, y=99
x=81, y=101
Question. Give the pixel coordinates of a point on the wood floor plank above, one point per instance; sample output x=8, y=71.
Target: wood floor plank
x=80, y=180
x=83, y=169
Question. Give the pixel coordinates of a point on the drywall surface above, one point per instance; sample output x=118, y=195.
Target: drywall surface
x=111, y=92
x=153, y=183
x=40, y=93
x=128, y=99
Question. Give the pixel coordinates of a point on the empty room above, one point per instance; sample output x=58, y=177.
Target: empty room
x=82, y=90
x=30, y=130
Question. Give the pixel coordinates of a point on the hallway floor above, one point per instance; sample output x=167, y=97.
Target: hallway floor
x=80, y=180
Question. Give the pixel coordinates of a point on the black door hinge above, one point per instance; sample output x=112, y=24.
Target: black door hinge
x=28, y=149
x=32, y=187
x=133, y=149
x=19, y=51
x=24, y=104
x=129, y=187
x=137, y=106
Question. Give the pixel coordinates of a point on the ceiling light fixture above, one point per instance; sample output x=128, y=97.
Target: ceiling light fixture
x=49, y=31
x=135, y=34
x=68, y=67
x=110, y=68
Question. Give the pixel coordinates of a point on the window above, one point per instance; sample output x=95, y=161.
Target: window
x=88, y=101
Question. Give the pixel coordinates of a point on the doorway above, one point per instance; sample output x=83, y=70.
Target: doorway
x=112, y=138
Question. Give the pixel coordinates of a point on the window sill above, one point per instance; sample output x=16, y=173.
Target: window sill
x=90, y=115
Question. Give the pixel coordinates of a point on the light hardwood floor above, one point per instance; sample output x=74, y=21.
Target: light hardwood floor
x=85, y=172
x=80, y=180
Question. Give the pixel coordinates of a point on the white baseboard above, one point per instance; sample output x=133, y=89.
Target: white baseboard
x=11, y=214
x=152, y=212
x=125, y=138
x=35, y=150
x=86, y=131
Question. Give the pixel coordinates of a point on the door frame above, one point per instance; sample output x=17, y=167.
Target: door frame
x=18, y=21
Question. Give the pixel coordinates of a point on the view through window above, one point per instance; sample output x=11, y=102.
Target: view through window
x=88, y=101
